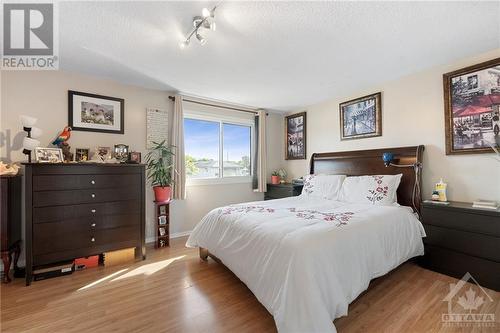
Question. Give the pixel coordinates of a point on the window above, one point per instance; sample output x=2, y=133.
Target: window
x=201, y=144
x=217, y=149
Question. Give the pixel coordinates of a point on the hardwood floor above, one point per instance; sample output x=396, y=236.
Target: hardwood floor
x=173, y=291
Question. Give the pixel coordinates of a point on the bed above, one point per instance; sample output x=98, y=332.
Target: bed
x=306, y=259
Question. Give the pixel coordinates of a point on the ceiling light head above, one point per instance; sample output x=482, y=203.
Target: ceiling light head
x=201, y=39
x=207, y=13
x=183, y=44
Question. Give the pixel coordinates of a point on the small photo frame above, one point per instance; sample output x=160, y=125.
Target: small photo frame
x=162, y=220
x=104, y=152
x=163, y=210
x=162, y=231
x=134, y=157
x=49, y=155
x=120, y=152
x=82, y=154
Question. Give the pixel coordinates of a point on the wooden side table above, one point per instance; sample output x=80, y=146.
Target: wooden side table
x=162, y=210
x=278, y=191
x=10, y=223
x=462, y=239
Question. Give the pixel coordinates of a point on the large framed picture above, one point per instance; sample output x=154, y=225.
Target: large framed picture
x=471, y=106
x=95, y=113
x=361, y=117
x=295, y=136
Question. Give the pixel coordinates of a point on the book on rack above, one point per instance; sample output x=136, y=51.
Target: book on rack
x=435, y=202
x=485, y=204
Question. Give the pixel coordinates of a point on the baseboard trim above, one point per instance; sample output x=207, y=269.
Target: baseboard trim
x=174, y=235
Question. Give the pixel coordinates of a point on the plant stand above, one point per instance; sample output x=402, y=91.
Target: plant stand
x=162, y=210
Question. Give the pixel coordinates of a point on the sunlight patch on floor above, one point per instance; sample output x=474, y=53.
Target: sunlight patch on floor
x=148, y=269
x=90, y=285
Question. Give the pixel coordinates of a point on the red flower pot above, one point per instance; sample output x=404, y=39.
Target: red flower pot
x=275, y=180
x=162, y=194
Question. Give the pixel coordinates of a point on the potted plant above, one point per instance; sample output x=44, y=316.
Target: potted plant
x=275, y=177
x=159, y=167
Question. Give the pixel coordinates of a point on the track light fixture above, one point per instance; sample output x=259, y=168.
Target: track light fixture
x=200, y=23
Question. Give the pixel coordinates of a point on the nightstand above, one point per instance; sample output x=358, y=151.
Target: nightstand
x=278, y=191
x=462, y=239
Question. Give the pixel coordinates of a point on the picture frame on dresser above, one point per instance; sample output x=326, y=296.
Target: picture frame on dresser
x=105, y=211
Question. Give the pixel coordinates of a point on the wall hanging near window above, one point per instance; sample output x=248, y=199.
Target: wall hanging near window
x=295, y=127
x=96, y=113
x=472, y=108
x=361, y=117
x=156, y=126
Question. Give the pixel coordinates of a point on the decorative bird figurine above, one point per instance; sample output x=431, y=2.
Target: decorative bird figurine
x=63, y=137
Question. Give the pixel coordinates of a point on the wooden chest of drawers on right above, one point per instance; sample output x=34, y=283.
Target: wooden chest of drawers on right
x=462, y=239
x=79, y=210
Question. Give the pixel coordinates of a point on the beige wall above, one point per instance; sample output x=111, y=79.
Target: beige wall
x=43, y=94
x=412, y=114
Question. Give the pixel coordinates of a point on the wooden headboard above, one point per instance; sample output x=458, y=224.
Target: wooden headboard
x=369, y=162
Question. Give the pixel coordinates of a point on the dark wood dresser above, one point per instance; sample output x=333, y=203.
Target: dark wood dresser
x=79, y=210
x=278, y=191
x=463, y=239
x=10, y=221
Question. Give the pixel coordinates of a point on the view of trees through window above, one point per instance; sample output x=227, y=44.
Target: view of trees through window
x=202, y=141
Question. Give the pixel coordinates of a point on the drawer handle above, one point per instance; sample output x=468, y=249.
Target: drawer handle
x=93, y=225
x=92, y=195
x=92, y=239
x=93, y=210
x=92, y=182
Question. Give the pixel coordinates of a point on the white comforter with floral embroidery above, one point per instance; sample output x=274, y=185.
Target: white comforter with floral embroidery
x=307, y=259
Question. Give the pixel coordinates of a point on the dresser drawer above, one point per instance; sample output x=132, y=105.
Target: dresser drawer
x=93, y=222
x=62, y=198
x=457, y=264
x=479, y=245
x=57, y=213
x=58, y=237
x=81, y=182
x=279, y=192
x=460, y=220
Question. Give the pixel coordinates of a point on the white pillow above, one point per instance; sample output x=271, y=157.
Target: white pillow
x=323, y=186
x=376, y=190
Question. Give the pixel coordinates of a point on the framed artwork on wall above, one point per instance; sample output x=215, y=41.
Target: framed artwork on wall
x=472, y=108
x=95, y=113
x=295, y=136
x=361, y=117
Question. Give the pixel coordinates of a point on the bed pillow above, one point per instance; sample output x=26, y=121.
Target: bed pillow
x=376, y=190
x=323, y=186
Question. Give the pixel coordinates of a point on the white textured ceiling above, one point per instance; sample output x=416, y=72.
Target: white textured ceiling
x=277, y=55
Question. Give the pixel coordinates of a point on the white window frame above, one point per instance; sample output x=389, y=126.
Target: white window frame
x=230, y=121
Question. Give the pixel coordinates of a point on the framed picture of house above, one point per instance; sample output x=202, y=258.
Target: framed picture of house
x=295, y=136
x=95, y=113
x=471, y=106
x=361, y=117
